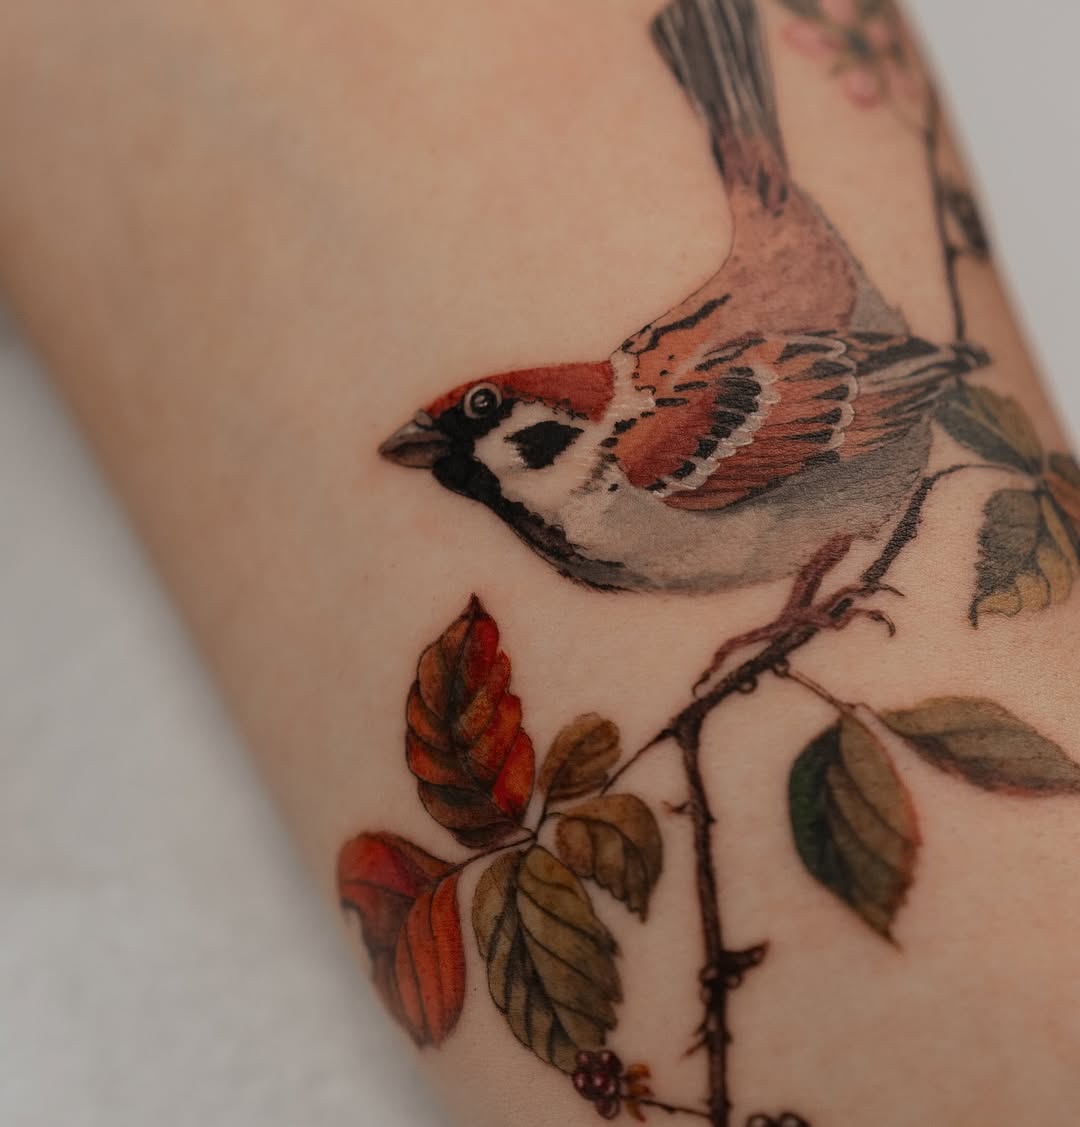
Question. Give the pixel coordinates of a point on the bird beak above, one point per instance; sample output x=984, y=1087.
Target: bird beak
x=417, y=445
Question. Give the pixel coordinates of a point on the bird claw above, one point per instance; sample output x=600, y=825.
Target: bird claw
x=833, y=613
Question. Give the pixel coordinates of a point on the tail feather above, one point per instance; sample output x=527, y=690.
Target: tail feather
x=716, y=49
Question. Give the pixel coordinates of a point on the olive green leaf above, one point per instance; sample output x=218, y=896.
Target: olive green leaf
x=872, y=9
x=808, y=9
x=550, y=961
x=961, y=205
x=985, y=744
x=1063, y=480
x=996, y=427
x=854, y=824
x=1027, y=555
x=616, y=842
x=580, y=758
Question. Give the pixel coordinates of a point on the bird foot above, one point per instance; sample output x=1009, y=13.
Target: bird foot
x=832, y=613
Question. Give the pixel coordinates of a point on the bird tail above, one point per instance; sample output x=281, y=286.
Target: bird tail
x=717, y=51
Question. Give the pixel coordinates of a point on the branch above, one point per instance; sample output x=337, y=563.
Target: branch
x=718, y=976
x=673, y=1109
x=932, y=142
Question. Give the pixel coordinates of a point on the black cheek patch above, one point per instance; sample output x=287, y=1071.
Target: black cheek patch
x=540, y=444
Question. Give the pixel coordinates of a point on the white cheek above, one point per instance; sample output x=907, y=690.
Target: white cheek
x=544, y=491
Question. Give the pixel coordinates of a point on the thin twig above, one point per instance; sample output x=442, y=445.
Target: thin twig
x=528, y=839
x=685, y=729
x=673, y=1109
x=785, y=671
x=950, y=253
x=658, y=739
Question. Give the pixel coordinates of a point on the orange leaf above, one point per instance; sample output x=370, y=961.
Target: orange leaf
x=407, y=903
x=465, y=743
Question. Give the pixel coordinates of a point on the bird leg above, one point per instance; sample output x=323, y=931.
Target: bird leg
x=803, y=610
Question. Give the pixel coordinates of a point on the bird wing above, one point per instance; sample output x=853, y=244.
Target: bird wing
x=756, y=412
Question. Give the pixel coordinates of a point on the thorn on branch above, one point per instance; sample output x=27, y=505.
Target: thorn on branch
x=730, y=971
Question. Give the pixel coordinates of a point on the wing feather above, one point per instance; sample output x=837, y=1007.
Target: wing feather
x=745, y=417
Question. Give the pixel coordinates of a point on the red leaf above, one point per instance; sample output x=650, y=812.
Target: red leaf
x=465, y=743
x=407, y=903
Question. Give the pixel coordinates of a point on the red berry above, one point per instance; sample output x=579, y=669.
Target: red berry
x=608, y=1109
x=584, y=1058
x=610, y=1087
x=607, y=1059
x=581, y=1082
x=596, y=1084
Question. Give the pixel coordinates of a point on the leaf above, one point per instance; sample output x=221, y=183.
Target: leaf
x=965, y=211
x=984, y=744
x=465, y=742
x=807, y=9
x=996, y=427
x=580, y=757
x=550, y=961
x=1027, y=556
x=1063, y=480
x=874, y=9
x=615, y=841
x=407, y=903
x=854, y=823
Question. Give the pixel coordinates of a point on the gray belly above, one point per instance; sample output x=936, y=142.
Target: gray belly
x=636, y=542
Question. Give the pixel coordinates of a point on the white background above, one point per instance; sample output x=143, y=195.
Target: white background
x=163, y=961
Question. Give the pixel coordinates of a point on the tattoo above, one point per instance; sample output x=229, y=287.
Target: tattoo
x=786, y=406
x=865, y=44
x=782, y=405
x=551, y=963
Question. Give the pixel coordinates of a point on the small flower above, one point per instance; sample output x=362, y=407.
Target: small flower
x=863, y=39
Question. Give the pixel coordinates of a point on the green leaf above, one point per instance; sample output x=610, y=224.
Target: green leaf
x=996, y=427
x=854, y=824
x=550, y=961
x=1027, y=555
x=807, y=9
x=1063, y=481
x=985, y=744
x=615, y=841
x=580, y=758
x=872, y=9
x=1066, y=467
x=961, y=205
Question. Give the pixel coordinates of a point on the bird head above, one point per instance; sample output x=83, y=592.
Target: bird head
x=479, y=437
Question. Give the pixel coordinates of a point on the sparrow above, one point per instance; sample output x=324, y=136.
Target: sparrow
x=782, y=409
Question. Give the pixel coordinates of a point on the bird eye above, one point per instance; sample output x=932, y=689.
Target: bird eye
x=481, y=401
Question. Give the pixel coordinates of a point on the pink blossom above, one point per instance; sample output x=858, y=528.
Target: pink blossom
x=867, y=52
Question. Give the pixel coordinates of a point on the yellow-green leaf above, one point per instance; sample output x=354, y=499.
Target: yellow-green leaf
x=1027, y=555
x=580, y=758
x=1063, y=479
x=615, y=841
x=550, y=961
x=985, y=744
x=854, y=824
x=995, y=426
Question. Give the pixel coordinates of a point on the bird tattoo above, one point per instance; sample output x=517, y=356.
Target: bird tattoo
x=752, y=432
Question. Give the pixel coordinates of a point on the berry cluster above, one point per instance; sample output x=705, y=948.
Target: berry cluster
x=601, y=1078
x=598, y=1077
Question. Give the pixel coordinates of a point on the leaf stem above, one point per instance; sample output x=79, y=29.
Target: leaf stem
x=658, y=739
x=932, y=142
x=685, y=729
x=785, y=671
x=529, y=838
x=673, y=1109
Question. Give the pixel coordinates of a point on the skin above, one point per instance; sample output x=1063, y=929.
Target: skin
x=251, y=238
